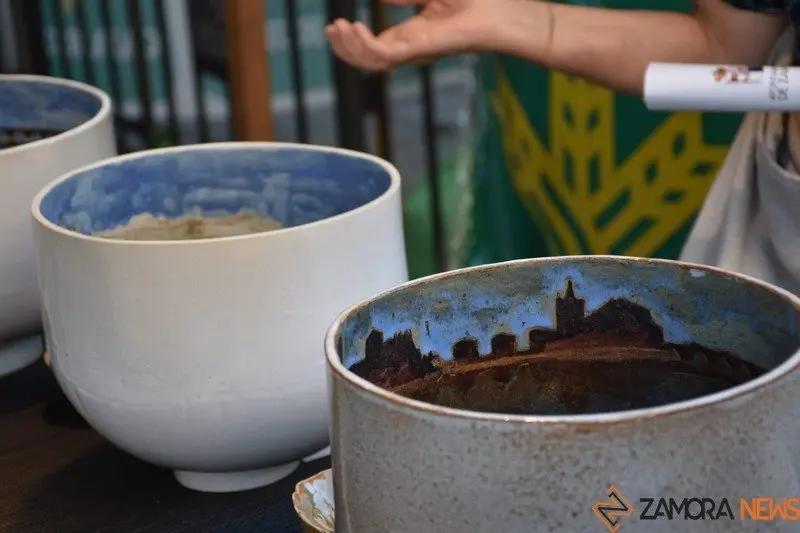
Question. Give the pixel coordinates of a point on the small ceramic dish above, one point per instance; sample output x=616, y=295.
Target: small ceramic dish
x=313, y=502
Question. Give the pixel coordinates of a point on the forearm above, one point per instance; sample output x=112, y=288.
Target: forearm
x=614, y=47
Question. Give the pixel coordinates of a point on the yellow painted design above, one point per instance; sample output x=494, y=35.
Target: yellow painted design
x=664, y=181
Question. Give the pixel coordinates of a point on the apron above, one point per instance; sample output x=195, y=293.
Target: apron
x=750, y=220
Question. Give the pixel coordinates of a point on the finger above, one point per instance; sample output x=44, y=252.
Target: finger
x=343, y=44
x=351, y=42
x=331, y=33
x=395, y=46
x=386, y=54
x=373, y=56
x=334, y=34
x=406, y=2
x=346, y=38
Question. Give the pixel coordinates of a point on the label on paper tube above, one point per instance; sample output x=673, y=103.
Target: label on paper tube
x=732, y=88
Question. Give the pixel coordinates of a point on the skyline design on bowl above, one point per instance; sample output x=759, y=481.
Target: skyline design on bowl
x=497, y=304
x=293, y=185
x=619, y=331
x=41, y=105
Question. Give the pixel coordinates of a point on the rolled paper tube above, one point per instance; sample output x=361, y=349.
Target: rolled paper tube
x=725, y=88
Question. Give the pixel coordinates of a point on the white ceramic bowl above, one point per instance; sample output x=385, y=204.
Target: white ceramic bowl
x=206, y=356
x=83, y=115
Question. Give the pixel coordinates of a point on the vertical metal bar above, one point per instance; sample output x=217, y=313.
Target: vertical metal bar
x=27, y=16
x=432, y=160
x=380, y=98
x=61, y=34
x=207, y=20
x=203, y=128
x=112, y=67
x=347, y=81
x=111, y=56
x=86, y=43
x=12, y=36
x=135, y=14
x=166, y=70
x=296, y=57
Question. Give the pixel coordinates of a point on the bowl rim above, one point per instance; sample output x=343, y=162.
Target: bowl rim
x=339, y=371
x=387, y=195
x=105, y=111
x=296, y=496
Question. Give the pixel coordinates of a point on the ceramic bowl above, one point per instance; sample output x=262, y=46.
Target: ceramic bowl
x=578, y=394
x=48, y=126
x=205, y=356
x=313, y=503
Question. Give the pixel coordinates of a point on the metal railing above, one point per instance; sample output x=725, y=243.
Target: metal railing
x=48, y=43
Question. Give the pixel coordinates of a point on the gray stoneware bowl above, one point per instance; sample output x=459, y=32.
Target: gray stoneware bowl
x=565, y=394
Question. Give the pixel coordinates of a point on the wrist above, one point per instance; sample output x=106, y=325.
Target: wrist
x=525, y=30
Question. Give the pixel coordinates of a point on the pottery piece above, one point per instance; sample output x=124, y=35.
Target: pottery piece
x=206, y=356
x=48, y=126
x=313, y=503
x=579, y=394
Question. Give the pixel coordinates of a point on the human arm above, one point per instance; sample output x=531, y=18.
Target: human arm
x=609, y=47
x=614, y=47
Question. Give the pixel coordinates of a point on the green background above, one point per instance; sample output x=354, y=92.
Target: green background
x=502, y=228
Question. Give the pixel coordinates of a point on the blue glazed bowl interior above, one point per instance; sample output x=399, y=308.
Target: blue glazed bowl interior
x=293, y=185
x=569, y=336
x=39, y=105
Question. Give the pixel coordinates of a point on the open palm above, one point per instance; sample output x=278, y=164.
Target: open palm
x=442, y=27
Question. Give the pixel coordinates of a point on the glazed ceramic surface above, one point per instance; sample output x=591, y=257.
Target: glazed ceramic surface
x=78, y=121
x=404, y=465
x=313, y=502
x=206, y=356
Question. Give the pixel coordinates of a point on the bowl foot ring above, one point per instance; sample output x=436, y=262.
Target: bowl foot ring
x=18, y=354
x=234, y=481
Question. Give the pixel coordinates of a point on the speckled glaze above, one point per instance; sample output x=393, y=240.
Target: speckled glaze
x=404, y=466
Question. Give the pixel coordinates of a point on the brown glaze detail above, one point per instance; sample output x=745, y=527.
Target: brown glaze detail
x=504, y=344
x=591, y=380
x=395, y=361
x=612, y=359
x=466, y=349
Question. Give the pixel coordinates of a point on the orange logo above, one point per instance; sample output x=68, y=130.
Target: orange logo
x=611, y=510
x=769, y=510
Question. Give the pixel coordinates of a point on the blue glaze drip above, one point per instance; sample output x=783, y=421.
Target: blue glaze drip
x=715, y=311
x=42, y=105
x=293, y=185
